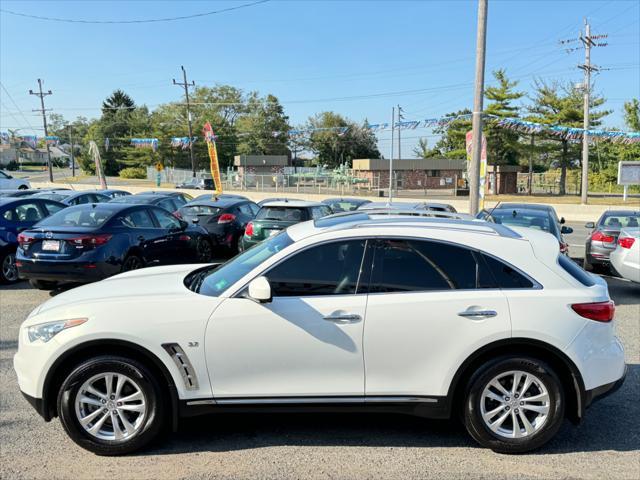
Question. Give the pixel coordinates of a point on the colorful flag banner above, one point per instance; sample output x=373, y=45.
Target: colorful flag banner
x=51, y=140
x=145, y=143
x=31, y=140
x=214, y=164
x=182, y=142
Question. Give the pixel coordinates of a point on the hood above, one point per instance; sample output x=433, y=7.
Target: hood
x=143, y=284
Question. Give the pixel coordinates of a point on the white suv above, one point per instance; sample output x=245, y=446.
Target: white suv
x=360, y=311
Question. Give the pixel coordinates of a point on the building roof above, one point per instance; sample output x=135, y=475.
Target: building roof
x=410, y=164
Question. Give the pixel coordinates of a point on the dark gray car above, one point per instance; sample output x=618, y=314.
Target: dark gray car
x=603, y=238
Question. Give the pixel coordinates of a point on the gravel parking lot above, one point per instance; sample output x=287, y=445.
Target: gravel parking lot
x=606, y=445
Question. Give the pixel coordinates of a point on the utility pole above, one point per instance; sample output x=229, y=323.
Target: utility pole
x=43, y=110
x=400, y=118
x=393, y=128
x=73, y=160
x=587, y=41
x=186, y=86
x=474, y=174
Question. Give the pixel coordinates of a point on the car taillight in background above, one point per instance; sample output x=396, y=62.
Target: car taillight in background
x=626, y=242
x=25, y=240
x=601, y=237
x=564, y=248
x=600, y=311
x=249, y=230
x=89, y=240
x=177, y=214
x=226, y=218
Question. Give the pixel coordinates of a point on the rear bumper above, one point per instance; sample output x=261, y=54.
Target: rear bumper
x=80, y=272
x=604, y=390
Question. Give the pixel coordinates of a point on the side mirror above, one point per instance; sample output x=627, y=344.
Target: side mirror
x=195, y=220
x=562, y=220
x=183, y=224
x=590, y=225
x=260, y=290
x=566, y=230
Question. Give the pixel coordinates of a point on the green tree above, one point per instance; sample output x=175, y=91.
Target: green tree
x=632, y=114
x=502, y=143
x=263, y=129
x=453, y=136
x=338, y=139
x=422, y=150
x=562, y=104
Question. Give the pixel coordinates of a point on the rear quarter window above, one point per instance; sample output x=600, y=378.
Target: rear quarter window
x=575, y=271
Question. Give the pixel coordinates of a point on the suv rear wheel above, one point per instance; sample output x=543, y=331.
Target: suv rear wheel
x=514, y=404
x=111, y=405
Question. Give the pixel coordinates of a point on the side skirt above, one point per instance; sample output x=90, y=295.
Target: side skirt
x=426, y=407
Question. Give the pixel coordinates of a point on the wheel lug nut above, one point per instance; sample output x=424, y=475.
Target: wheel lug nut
x=104, y=401
x=506, y=399
x=112, y=397
x=506, y=408
x=516, y=410
x=105, y=411
x=119, y=404
x=516, y=395
x=521, y=403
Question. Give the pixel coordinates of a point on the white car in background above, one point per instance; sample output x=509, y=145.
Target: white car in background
x=625, y=259
x=7, y=182
x=352, y=312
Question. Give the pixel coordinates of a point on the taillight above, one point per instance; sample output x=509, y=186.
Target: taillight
x=564, y=247
x=226, y=218
x=184, y=238
x=600, y=312
x=626, y=242
x=24, y=239
x=601, y=237
x=249, y=230
x=89, y=240
x=177, y=214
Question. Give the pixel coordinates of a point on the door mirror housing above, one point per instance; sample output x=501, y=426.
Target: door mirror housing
x=260, y=290
x=590, y=225
x=562, y=220
x=566, y=230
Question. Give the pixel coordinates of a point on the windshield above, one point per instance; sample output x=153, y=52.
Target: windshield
x=80, y=216
x=285, y=214
x=523, y=219
x=213, y=283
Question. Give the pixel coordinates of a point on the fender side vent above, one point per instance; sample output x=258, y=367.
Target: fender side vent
x=181, y=360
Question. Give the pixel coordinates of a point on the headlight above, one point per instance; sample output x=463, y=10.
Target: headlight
x=46, y=331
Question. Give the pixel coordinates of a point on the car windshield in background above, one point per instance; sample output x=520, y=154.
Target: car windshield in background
x=284, y=214
x=515, y=218
x=620, y=221
x=343, y=206
x=214, y=283
x=80, y=216
x=200, y=210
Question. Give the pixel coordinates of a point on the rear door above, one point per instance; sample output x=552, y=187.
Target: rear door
x=144, y=233
x=168, y=246
x=427, y=311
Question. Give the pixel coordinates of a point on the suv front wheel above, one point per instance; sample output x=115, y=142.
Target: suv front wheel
x=514, y=404
x=111, y=405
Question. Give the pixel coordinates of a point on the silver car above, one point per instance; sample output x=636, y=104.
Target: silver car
x=604, y=236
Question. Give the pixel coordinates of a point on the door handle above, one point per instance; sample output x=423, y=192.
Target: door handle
x=478, y=313
x=141, y=238
x=342, y=317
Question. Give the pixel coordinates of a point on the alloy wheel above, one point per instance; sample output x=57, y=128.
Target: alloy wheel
x=132, y=263
x=9, y=268
x=515, y=404
x=111, y=406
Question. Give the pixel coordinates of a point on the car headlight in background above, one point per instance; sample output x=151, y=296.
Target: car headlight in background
x=46, y=331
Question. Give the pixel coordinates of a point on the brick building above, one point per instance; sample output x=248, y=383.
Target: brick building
x=411, y=174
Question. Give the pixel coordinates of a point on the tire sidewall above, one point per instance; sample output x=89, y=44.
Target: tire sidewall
x=473, y=418
x=153, y=396
x=199, y=245
x=4, y=280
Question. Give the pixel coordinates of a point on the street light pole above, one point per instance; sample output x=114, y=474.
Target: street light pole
x=474, y=173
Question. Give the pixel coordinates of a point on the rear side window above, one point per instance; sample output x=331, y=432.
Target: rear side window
x=200, y=210
x=502, y=274
x=53, y=207
x=138, y=219
x=415, y=266
x=78, y=217
x=575, y=271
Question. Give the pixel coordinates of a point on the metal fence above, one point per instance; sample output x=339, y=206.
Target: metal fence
x=548, y=183
x=303, y=180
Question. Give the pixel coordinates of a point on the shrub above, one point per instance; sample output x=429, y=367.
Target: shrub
x=133, y=172
x=12, y=166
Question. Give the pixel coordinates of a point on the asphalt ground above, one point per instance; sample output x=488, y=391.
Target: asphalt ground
x=327, y=446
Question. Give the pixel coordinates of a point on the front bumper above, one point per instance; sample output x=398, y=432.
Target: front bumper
x=38, y=405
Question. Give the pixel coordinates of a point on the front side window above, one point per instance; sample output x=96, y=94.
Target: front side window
x=328, y=269
x=416, y=266
x=27, y=212
x=166, y=220
x=138, y=219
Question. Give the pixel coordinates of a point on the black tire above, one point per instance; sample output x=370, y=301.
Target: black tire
x=586, y=265
x=204, y=250
x=472, y=407
x=132, y=262
x=151, y=424
x=8, y=269
x=43, y=284
x=23, y=187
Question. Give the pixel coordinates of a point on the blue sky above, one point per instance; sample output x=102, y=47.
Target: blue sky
x=313, y=55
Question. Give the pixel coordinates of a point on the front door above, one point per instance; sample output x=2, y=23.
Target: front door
x=431, y=304
x=306, y=342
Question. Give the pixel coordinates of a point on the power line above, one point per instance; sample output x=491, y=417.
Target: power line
x=16, y=105
x=150, y=20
